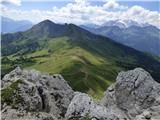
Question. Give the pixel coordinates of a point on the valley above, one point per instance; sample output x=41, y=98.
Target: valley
x=88, y=62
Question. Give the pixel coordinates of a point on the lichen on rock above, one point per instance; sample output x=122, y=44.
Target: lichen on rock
x=29, y=94
x=38, y=92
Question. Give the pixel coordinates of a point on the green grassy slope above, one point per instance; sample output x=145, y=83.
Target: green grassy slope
x=83, y=70
x=90, y=63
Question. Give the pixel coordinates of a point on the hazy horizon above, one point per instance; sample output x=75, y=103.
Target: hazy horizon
x=82, y=11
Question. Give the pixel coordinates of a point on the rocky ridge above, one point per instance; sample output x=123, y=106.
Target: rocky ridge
x=31, y=95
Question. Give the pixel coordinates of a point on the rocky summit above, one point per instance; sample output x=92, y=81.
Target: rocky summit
x=32, y=95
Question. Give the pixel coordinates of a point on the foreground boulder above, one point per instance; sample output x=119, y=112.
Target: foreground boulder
x=136, y=93
x=34, y=92
x=13, y=114
x=83, y=107
x=36, y=96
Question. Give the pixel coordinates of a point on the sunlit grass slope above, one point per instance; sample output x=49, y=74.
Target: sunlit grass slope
x=83, y=70
x=89, y=62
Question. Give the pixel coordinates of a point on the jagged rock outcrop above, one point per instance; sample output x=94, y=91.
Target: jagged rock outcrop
x=135, y=92
x=13, y=114
x=83, y=107
x=32, y=91
x=29, y=94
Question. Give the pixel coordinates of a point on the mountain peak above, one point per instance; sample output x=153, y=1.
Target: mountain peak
x=47, y=28
x=50, y=29
x=46, y=22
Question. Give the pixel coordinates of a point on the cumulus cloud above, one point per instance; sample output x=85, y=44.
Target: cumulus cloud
x=14, y=2
x=141, y=15
x=113, y=5
x=82, y=12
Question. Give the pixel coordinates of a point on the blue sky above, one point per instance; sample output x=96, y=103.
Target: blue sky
x=82, y=11
x=48, y=4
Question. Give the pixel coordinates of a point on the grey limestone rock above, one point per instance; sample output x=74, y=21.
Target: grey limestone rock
x=13, y=114
x=29, y=94
x=134, y=92
x=83, y=107
x=37, y=92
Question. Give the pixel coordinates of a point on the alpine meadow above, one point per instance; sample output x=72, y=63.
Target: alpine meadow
x=80, y=60
x=87, y=61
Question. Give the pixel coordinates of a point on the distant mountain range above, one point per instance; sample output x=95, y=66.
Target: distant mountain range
x=118, y=23
x=9, y=25
x=87, y=61
x=124, y=23
x=142, y=37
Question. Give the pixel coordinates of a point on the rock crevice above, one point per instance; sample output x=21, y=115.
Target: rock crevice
x=29, y=94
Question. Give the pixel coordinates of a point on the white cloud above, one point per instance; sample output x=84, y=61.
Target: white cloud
x=111, y=4
x=82, y=12
x=143, y=15
x=14, y=2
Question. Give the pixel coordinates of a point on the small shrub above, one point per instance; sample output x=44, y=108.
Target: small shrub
x=8, y=93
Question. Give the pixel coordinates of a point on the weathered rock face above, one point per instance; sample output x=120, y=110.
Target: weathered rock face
x=134, y=92
x=33, y=91
x=33, y=95
x=13, y=114
x=84, y=107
